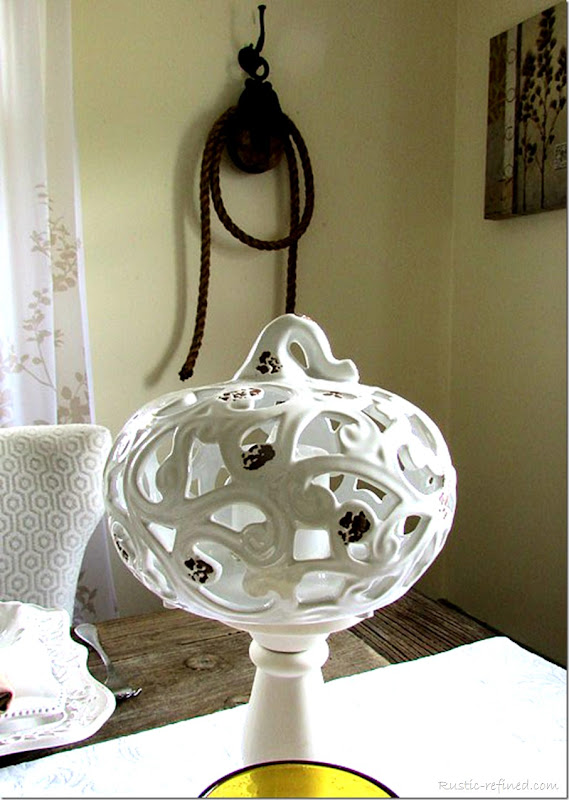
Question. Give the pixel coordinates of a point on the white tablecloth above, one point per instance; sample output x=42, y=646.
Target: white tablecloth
x=482, y=720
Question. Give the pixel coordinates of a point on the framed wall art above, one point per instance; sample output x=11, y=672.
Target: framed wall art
x=526, y=146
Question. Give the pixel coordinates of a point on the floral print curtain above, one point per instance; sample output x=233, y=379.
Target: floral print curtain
x=44, y=354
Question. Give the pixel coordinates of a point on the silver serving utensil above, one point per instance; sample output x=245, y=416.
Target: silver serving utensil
x=114, y=681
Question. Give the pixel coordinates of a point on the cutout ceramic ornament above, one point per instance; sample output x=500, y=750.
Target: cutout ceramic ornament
x=288, y=502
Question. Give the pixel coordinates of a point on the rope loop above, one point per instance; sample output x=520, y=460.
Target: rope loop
x=210, y=184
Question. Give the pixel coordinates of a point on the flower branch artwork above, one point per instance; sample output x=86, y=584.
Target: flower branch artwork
x=526, y=147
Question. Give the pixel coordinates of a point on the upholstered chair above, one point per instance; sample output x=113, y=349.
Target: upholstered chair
x=51, y=500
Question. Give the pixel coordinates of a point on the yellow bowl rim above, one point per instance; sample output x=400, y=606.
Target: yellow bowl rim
x=288, y=761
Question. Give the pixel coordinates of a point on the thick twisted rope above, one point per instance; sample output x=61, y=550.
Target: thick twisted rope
x=209, y=183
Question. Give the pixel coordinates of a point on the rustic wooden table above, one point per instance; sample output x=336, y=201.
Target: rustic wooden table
x=188, y=666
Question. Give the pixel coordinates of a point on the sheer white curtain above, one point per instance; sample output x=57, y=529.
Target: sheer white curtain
x=44, y=356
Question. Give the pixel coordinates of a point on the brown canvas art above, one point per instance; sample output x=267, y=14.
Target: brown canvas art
x=526, y=150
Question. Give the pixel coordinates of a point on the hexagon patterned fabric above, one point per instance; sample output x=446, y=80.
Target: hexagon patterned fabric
x=50, y=502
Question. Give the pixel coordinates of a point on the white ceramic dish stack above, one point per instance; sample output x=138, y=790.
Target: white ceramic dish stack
x=56, y=699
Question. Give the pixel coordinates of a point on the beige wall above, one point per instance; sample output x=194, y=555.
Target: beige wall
x=371, y=85
x=506, y=562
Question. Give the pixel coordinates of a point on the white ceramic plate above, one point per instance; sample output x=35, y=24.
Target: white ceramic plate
x=88, y=704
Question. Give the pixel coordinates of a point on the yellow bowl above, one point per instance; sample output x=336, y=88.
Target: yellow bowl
x=296, y=779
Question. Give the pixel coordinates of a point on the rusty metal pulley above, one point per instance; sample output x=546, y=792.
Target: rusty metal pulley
x=258, y=131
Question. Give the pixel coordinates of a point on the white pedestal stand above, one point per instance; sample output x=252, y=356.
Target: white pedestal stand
x=277, y=503
x=287, y=717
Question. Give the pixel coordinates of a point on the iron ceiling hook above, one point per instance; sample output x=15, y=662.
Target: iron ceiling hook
x=250, y=59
